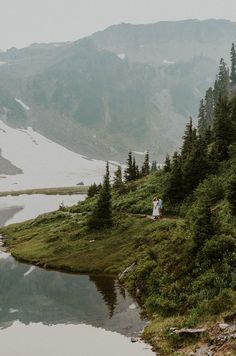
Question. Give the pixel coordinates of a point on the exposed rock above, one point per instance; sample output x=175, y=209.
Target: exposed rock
x=204, y=350
x=223, y=326
x=190, y=331
x=135, y=339
x=222, y=336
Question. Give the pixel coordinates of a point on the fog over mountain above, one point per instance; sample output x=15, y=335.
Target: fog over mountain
x=128, y=87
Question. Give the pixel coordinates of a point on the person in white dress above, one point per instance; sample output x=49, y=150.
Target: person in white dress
x=156, y=209
x=160, y=205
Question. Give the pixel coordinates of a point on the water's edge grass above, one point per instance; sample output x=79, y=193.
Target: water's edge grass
x=47, y=191
x=178, y=285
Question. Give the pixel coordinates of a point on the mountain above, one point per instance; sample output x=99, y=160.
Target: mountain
x=128, y=87
x=166, y=42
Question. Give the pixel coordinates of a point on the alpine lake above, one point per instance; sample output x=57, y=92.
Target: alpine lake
x=51, y=313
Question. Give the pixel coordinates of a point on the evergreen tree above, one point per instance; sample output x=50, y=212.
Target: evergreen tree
x=102, y=214
x=195, y=166
x=202, y=224
x=188, y=139
x=222, y=82
x=92, y=190
x=233, y=119
x=222, y=130
x=207, y=136
x=118, y=184
x=137, y=173
x=202, y=124
x=129, y=171
x=135, y=169
x=233, y=64
x=99, y=187
x=146, y=166
x=167, y=165
x=174, y=185
x=209, y=107
x=231, y=194
x=154, y=166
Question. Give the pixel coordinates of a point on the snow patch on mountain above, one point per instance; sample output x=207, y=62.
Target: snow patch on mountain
x=24, y=106
x=168, y=62
x=44, y=163
x=139, y=153
x=121, y=56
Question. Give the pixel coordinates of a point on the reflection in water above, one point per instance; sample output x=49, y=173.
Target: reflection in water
x=108, y=290
x=38, y=305
x=30, y=294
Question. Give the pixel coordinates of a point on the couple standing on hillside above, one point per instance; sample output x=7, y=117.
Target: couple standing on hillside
x=157, y=208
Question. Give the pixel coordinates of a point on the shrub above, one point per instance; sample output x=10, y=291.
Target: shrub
x=231, y=194
x=218, y=247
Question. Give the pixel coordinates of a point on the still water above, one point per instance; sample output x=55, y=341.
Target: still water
x=52, y=313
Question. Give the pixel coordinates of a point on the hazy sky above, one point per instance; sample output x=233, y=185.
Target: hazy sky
x=23, y=22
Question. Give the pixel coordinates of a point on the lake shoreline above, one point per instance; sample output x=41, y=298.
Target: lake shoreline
x=62, y=242
x=109, y=269
x=140, y=337
x=67, y=305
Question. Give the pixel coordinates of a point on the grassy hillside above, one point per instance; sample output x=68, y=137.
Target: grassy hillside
x=178, y=284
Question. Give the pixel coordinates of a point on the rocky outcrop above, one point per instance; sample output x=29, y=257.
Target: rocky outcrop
x=222, y=339
x=189, y=331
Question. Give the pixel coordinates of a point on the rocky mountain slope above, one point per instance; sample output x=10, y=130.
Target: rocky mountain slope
x=128, y=87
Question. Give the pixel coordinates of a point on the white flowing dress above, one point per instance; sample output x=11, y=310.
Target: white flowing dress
x=156, y=210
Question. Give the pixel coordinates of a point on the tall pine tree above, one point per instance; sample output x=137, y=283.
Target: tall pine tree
x=167, y=164
x=233, y=64
x=92, y=190
x=118, y=183
x=174, y=186
x=209, y=107
x=129, y=172
x=222, y=130
x=146, y=165
x=154, y=166
x=188, y=139
x=202, y=123
x=102, y=215
x=135, y=169
x=233, y=118
x=195, y=166
x=221, y=87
